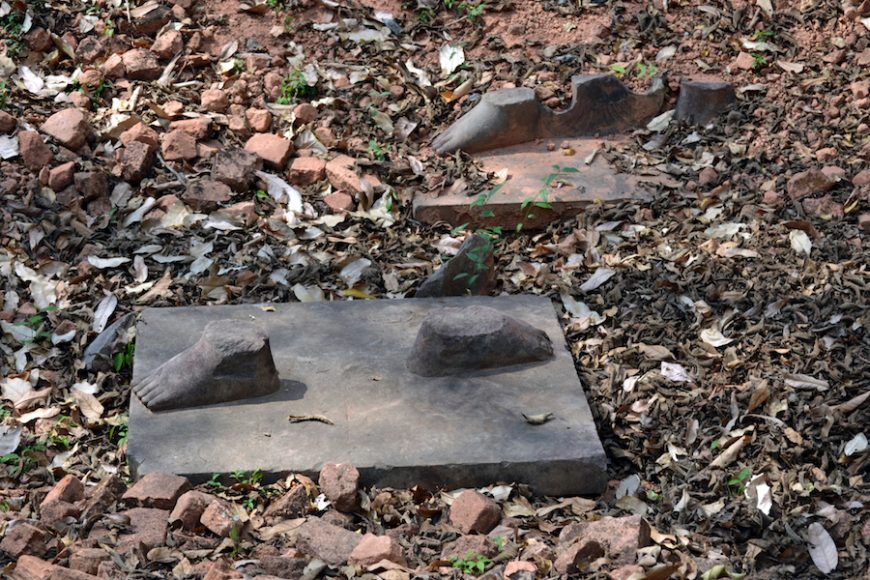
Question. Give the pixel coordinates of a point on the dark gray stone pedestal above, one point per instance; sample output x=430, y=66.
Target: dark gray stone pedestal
x=345, y=361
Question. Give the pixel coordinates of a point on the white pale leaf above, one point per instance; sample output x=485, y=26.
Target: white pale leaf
x=88, y=405
x=857, y=444
x=823, y=551
x=665, y=53
x=282, y=192
x=103, y=263
x=352, y=273
x=800, y=242
x=661, y=122
x=420, y=74
x=16, y=389
x=801, y=381
x=723, y=231
x=86, y=387
x=675, y=372
x=763, y=498
x=600, y=276
x=32, y=81
x=714, y=338
x=19, y=332
x=450, y=58
x=10, y=437
x=104, y=310
x=8, y=146
x=765, y=5
x=308, y=293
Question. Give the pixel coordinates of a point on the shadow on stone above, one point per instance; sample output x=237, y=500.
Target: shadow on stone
x=469, y=272
x=702, y=101
x=232, y=360
x=461, y=340
x=600, y=105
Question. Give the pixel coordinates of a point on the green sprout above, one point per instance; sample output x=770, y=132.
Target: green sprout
x=377, y=150
x=471, y=564
x=758, y=61
x=736, y=485
x=295, y=87
x=124, y=359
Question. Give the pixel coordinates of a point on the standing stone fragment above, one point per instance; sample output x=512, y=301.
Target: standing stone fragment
x=474, y=512
x=702, y=101
x=470, y=271
x=70, y=127
x=339, y=482
x=34, y=152
x=459, y=340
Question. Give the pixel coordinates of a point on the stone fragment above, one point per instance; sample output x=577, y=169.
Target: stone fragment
x=459, y=340
x=39, y=39
x=232, y=360
x=168, y=44
x=142, y=133
x=149, y=18
x=373, y=549
x=339, y=482
x=222, y=570
x=219, y=518
x=236, y=168
x=700, y=102
x=326, y=136
x=113, y=67
x=243, y=213
x=862, y=178
x=809, y=182
x=621, y=537
x=744, y=61
x=69, y=127
x=864, y=222
x=514, y=569
x=141, y=65
x=283, y=566
x=179, y=145
x=339, y=202
x=463, y=545
x=136, y=161
x=61, y=177
x=34, y=152
x=826, y=154
x=7, y=122
x=104, y=496
x=206, y=194
x=305, y=113
x=823, y=207
x=198, y=128
x=474, y=512
x=146, y=530
x=88, y=560
x=577, y=556
x=55, y=514
x=342, y=174
x=470, y=271
x=330, y=543
x=91, y=184
x=189, y=509
x=68, y=489
x=214, y=100
x=157, y=490
x=860, y=89
x=259, y=120
x=293, y=504
x=273, y=149
x=89, y=50
x=32, y=568
x=307, y=170
x=22, y=539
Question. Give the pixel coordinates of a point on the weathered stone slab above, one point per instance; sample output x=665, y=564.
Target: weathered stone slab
x=346, y=362
x=529, y=166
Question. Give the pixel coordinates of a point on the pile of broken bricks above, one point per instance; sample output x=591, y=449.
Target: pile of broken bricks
x=161, y=518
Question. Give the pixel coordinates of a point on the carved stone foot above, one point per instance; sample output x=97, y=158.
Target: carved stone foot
x=460, y=340
x=500, y=119
x=600, y=105
x=232, y=360
x=701, y=101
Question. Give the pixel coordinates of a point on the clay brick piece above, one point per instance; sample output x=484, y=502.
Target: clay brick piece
x=373, y=549
x=198, y=128
x=141, y=65
x=307, y=170
x=621, y=537
x=236, y=167
x=189, y=508
x=330, y=543
x=342, y=174
x=7, y=122
x=339, y=202
x=68, y=489
x=809, y=182
x=34, y=152
x=339, y=482
x=61, y=177
x=474, y=512
x=293, y=504
x=206, y=194
x=219, y=518
x=136, y=161
x=24, y=539
x=88, y=560
x=70, y=127
x=179, y=145
x=274, y=149
x=157, y=490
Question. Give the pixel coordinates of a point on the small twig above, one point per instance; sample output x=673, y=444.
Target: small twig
x=304, y=418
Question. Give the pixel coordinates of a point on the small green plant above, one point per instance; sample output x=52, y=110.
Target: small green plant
x=109, y=29
x=118, y=432
x=391, y=199
x=377, y=151
x=215, y=481
x=471, y=564
x=425, y=15
x=238, y=66
x=618, y=70
x=36, y=322
x=758, y=61
x=472, y=10
x=295, y=87
x=542, y=200
x=737, y=484
x=249, y=503
x=13, y=27
x=261, y=195
x=646, y=70
x=124, y=360
x=4, y=94
x=252, y=480
x=499, y=542
x=762, y=35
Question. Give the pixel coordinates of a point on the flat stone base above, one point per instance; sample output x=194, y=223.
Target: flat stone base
x=528, y=166
x=345, y=361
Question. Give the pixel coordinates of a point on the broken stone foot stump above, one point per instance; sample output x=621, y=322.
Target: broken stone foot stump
x=600, y=105
x=700, y=102
x=344, y=381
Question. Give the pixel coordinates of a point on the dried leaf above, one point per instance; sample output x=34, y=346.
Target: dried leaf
x=822, y=549
x=800, y=242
